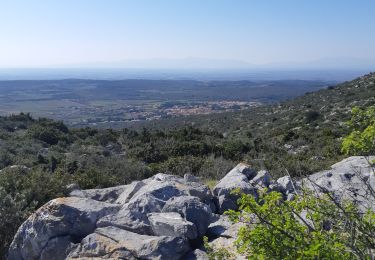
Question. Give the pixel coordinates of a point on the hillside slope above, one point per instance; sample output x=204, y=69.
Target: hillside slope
x=302, y=134
x=38, y=158
x=166, y=216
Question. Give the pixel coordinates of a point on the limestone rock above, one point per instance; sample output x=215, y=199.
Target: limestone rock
x=112, y=242
x=131, y=220
x=172, y=224
x=129, y=191
x=57, y=248
x=106, y=195
x=218, y=227
x=286, y=184
x=221, y=226
x=159, y=217
x=227, y=244
x=262, y=179
x=151, y=197
x=192, y=209
x=238, y=178
x=353, y=179
x=74, y=217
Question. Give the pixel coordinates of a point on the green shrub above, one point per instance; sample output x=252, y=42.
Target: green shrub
x=20, y=195
x=361, y=140
x=312, y=116
x=308, y=227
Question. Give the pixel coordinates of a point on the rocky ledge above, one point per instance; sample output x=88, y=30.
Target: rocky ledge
x=163, y=217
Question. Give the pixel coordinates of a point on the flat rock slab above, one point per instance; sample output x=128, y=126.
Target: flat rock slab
x=352, y=179
x=172, y=224
x=112, y=242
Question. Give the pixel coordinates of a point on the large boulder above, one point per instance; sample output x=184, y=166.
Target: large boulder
x=127, y=219
x=172, y=224
x=192, y=209
x=163, y=187
x=70, y=218
x=115, y=243
x=262, y=179
x=237, y=178
x=187, y=188
x=353, y=179
x=286, y=184
x=156, y=218
x=148, y=198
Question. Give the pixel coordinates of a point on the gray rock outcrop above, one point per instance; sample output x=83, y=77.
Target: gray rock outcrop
x=116, y=243
x=238, y=178
x=165, y=216
x=150, y=219
x=172, y=224
x=106, y=195
x=72, y=218
x=192, y=209
x=353, y=178
x=242, y=178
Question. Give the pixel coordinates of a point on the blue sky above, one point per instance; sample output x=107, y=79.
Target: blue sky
x=42, y=33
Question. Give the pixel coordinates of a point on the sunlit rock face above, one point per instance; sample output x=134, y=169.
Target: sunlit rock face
x=166, y=216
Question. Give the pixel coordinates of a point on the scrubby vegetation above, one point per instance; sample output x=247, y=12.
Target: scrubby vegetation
x=39, y=157
x=302, y=135
x=311, y=226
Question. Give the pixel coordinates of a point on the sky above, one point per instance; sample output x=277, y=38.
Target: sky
x=53, y=33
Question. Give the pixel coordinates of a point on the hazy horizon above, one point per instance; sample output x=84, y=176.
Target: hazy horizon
x=167, y=34
x=331, y=75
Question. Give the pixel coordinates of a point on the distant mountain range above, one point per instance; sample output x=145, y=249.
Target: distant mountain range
x=205, y=63
x=185, y=63
x=196, y=63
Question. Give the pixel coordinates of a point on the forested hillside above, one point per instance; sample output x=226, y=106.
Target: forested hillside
x=40, y=157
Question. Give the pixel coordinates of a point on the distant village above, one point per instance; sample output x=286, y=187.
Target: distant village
x=129, y=113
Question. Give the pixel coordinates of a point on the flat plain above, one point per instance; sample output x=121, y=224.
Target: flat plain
x=106, y=103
